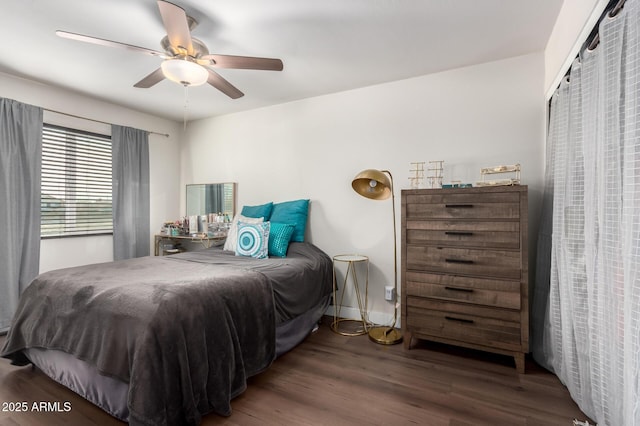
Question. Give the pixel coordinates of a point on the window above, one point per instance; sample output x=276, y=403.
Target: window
x=229, y=200
x=75, y=194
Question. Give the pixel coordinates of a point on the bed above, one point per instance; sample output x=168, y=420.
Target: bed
x=166, y=340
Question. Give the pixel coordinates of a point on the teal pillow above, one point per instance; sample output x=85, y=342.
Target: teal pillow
x=279, y=237
x=253, y=239
x=263, y=210
x=294, y=212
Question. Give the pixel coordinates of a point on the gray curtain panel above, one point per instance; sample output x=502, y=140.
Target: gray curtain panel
x=214, y=198
x=558, y=129
x=130, y=192
x=20, y=157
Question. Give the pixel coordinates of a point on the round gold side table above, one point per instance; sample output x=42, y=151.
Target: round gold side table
x=363, y=323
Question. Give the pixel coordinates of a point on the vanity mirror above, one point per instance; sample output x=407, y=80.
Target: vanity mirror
x=211, y=198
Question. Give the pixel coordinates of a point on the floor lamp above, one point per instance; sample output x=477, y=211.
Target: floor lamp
x=375, y=185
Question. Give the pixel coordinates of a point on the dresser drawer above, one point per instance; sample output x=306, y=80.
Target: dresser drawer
x=464, y=234
x=500, y=205
x=466, y=323
x=488, y=263
x=488, y=292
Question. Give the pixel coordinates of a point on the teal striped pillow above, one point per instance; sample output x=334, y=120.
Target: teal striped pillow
x=279, y=237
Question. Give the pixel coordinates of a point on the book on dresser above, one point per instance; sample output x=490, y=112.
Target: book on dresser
x=465, y=268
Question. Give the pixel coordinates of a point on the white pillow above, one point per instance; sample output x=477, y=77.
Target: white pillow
x=232, y=235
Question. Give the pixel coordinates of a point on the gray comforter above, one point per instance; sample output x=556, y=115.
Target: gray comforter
x=184, y=331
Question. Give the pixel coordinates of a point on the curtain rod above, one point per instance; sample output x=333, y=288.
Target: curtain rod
x=98, y=121
x=613, y=8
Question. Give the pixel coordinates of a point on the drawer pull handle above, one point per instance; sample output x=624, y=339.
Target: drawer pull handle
x=458, y=206
x=466, y=262
x=464, y=320
x=465, y=234
x=464, y=290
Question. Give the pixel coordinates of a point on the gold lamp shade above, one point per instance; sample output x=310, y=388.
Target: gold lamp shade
x=372, y=184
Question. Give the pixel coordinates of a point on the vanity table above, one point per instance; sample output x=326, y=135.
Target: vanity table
x=205, y=240
x=202, y=199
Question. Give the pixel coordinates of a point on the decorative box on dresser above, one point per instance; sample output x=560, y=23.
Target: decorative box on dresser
x=465, y=268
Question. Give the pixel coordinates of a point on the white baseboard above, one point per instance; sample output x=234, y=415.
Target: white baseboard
x=378, y=318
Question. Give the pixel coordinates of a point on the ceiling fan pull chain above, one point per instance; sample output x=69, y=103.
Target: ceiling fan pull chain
x=186, y=103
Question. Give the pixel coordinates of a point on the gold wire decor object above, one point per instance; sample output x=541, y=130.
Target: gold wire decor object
x=378, y=185
x=513, y=179
x=435, y=171
x=417, y=175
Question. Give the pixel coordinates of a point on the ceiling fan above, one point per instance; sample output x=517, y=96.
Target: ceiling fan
x=187, y=60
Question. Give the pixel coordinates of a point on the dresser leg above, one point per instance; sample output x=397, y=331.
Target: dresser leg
x=519, y=359
x=407, y=340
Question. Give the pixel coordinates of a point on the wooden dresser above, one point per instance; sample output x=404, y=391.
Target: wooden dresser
x=465, y=268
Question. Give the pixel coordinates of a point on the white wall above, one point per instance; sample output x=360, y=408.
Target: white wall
x=163, y=157
x=471, y=117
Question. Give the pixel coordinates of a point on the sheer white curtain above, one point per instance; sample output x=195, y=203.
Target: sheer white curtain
x=586, y=317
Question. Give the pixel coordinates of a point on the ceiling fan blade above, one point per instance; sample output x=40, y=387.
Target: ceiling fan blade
x=244, y=62
x=108, y=43
x=223, y=85
x=177, y=26
x=150, y=80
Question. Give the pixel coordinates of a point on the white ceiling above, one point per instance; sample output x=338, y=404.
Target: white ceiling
x=327, y=46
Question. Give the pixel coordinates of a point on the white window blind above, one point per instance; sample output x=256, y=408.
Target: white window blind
x=228, y=198
x=75, y=194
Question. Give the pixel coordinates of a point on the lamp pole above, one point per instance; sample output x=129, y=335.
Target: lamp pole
x=390, y=335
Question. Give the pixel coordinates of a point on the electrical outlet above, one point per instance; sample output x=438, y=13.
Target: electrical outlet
x=389, y=293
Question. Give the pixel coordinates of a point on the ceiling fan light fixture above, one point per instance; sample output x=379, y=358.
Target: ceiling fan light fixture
x=184, y=72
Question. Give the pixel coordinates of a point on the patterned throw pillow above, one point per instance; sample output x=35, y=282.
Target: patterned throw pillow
x=253, y=239
x=279, y=237
x=232, y=234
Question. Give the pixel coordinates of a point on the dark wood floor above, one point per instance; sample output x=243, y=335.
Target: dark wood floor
x=336, y=380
